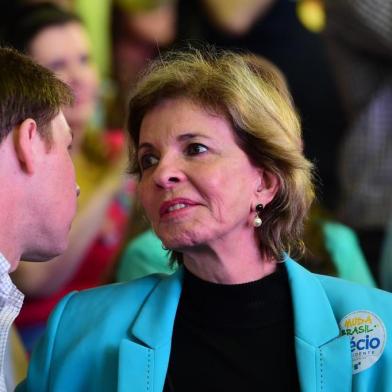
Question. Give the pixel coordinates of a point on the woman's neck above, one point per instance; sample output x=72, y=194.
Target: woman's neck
x=229, y=263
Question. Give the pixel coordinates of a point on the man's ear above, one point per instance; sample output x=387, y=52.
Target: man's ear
x=25, y=139
x=268, y=186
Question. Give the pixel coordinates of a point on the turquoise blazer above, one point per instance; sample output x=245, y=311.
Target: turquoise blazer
x=118, y=337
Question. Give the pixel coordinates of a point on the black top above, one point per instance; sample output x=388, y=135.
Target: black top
x=233, y=337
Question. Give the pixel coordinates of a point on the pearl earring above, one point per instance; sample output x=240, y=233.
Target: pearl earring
x=257, y=221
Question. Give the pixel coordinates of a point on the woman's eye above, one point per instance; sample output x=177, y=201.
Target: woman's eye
x=56, y=65
x=85, y=59
x=147, y=161
x=196, y=148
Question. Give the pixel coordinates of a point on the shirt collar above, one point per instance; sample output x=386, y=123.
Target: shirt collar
x=8, y=291
x=4, y=265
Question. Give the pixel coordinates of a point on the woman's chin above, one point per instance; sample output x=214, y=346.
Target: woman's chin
x=179, y=244
x=183, y=237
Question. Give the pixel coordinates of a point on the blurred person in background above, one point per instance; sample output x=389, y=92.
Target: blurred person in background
x=139, y=31
x=38, y=186
x=240, y=314
x=360, y=40
x=386, y=261
x=56, y=39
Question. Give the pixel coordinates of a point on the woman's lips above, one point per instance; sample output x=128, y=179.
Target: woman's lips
x=172, y=206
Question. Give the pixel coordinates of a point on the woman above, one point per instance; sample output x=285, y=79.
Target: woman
x=226, y=187
x=58, y=40
x=331, y=248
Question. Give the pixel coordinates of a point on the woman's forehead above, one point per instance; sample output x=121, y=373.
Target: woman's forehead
x=182, y=119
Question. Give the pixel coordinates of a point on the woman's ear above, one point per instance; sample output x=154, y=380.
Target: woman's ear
x=25, y=137
x=268, y=186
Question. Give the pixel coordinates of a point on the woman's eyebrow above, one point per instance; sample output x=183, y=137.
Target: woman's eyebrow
x=180, y=138
x=144, y=146
x=187, y=136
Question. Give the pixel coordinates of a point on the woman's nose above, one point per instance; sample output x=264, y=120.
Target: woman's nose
x=168, y=173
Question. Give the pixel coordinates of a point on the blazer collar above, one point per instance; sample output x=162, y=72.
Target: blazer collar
x=144, y=357
x=154, y=325
x=312, y=325
x=314, y=319
x=323, y=356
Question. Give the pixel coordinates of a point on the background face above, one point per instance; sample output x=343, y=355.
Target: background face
x=138, y=38
x=65, y=50
x=197, y=185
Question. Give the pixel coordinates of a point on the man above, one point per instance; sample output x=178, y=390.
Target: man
x=38, y=191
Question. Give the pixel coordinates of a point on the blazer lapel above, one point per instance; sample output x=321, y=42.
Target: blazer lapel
x=323, y=356
x=144, y=358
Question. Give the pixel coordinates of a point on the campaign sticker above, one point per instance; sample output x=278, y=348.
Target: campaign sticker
x=367, y=338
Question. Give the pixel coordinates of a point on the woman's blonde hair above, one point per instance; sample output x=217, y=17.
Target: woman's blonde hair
x=252, y=94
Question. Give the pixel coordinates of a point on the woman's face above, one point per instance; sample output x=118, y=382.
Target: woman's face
x=197, y=186
x=65, y=49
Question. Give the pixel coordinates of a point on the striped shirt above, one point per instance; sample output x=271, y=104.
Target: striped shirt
x=11, y=300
